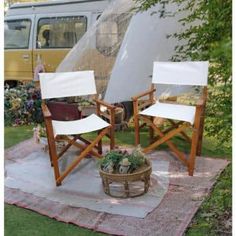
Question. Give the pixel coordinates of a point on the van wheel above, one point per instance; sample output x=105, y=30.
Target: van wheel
x=128, y=109
x=11, y=83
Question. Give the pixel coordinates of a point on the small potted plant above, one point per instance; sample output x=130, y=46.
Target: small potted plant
x=122, y=162
x=111, y=161
x=121, y=168
x=124, y=166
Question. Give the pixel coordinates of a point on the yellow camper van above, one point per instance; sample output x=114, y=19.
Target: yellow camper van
x=39, y=35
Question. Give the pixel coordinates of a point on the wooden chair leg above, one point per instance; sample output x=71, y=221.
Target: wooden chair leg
x=52, y=150
x=112, y=129
x=201, y=125
x=200, y=136
x=151, y=132
x=54, y=158
x=136, y=130
x=99, y=144
x=49, y=148
x=136, y=123
x=192, y=157
x=55, y=166
x=195, y=137
x=112, y=138
x=50, y=154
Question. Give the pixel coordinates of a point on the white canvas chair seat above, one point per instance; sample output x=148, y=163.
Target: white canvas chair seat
x=86, y=125
x=180, y=117
x=171, y=111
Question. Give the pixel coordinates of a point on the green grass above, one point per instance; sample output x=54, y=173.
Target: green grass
x=14, y=135
x=22, y=222
x=212, y=217
x=210, y=147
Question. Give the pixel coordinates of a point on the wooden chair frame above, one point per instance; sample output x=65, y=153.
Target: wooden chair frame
x=176, y=128
x=87, y=147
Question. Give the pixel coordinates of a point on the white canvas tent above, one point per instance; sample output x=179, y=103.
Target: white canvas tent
x=121, y=48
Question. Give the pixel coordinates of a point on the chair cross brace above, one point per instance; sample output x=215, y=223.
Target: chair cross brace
x=165, y=137
x=79, y=145
x=85, y=150
x=175, y=125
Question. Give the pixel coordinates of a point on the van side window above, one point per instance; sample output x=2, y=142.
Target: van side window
x=60, y=32
x=16, y=34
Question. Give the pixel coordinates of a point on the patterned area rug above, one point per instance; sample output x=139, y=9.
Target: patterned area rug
x=167, y=209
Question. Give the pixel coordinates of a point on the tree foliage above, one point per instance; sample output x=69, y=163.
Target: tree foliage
x=208, y=36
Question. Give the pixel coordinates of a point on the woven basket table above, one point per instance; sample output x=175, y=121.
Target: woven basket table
x=127, y=185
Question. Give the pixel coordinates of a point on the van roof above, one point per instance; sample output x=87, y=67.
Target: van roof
x=57, y=6
x=50, y=3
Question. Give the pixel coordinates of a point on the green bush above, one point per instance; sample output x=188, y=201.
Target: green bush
x=209, y=40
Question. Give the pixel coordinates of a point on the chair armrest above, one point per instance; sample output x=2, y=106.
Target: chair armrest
x=136, y=103
x=46, y=112
x=108, y=114
x=149, y=92
x=107, y=105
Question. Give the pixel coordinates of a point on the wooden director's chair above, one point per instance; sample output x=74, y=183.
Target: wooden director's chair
x=69, y=84
x=180, y=116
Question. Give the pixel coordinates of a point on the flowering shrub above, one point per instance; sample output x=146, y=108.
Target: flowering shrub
x=22, y=105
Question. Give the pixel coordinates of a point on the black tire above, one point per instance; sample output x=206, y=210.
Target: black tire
x=128, y=109
x=11, y=83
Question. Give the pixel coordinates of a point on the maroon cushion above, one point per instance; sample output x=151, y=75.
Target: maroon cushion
x=63, y=111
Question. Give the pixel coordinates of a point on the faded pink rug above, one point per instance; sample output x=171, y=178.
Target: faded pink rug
x=171, y=216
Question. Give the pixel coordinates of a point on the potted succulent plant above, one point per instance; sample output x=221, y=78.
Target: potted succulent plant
x=118, y=169
x=122, y=162
x=124, y=166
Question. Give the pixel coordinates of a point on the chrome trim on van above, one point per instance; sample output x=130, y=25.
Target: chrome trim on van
x=14, y=6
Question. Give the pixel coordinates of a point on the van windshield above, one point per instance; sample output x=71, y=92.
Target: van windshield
x=16, y=34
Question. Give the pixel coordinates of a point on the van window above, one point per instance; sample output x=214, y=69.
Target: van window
x=16, y=34
x=60, y=32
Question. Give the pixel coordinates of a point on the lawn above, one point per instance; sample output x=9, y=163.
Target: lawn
x=213, y=218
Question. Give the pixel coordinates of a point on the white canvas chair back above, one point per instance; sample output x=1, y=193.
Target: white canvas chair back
x=181, y=73
x=67, y=84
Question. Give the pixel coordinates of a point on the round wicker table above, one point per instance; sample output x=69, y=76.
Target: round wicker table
x=127, y=185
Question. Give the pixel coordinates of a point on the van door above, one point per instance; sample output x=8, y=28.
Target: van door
x=18, y=47
x=55, y=35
